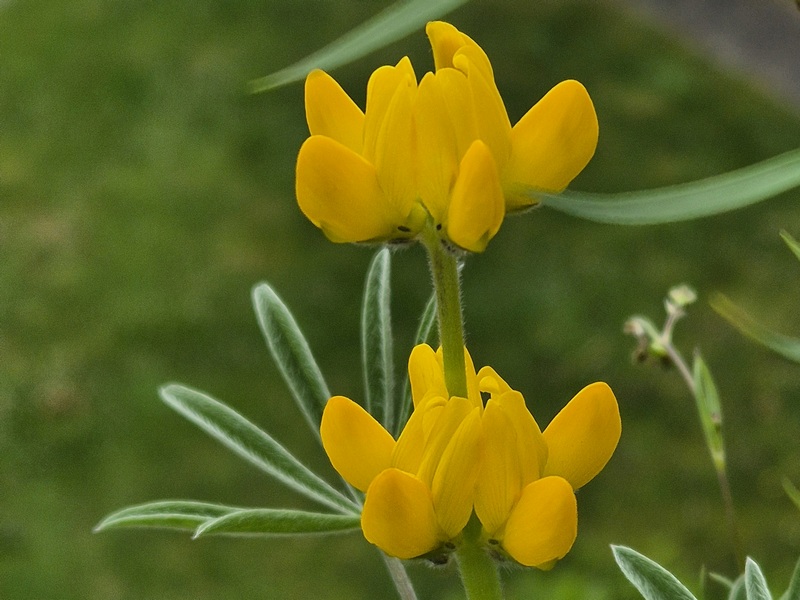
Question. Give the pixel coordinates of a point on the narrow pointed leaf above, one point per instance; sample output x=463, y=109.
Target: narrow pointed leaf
x=394, y=23
x=269, y=521
x=376, y=340
x=184, y=515
x=784, y=345
x=793, y=244
x=252, y=444
x=708, y=408
x=702, y=198
x=754, y=582
x=426, y=334
x=738, y=591
x=792, y=492
x=291, y=354
x=652, y=580
x=793, y=593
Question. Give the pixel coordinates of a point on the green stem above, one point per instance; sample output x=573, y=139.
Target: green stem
x=478, y=571
x=400, y=578
x=447, y=284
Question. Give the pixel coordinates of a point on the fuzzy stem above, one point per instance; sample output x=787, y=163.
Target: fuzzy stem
x=400, y=578
x=477, y=569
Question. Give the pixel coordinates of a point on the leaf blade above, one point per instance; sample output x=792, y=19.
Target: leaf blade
x=652, y=580
x=754, y=581
x=703, y=198
x=793, y=592
x=254, y=445
x=184, y=515
x=269, y=521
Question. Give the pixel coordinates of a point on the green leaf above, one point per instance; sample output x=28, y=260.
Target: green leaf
x=792, y=492
x=388, y=26
x=784, y=345
x=652, y=580
x=703, y=198
x=793, y=244
x=185, y=515
x=268, y=521
x=793, y=593
x=426, y=334
x=376, y=340
x=738, y=591
x=291, y=354
x=253, y=444
x=754, y=582
x=708, y=408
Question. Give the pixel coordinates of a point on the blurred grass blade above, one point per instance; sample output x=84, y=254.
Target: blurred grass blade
x=792, y=492
x=291, y=354
x=253, y=444
x=708, y=406
x=793, y=244
x=784, y=345
x=376, y=339
x=185, y=515
x=754, y=582
x=652, y=580
x=426, y=334
x=793, y=593
x=269, y=521
x=390, y=25
x=703, y=198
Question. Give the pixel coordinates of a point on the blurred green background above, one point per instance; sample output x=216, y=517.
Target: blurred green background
x=143, y=193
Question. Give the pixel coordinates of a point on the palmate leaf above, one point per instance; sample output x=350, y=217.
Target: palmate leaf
x=652, y=580
x=397, y=21
x=270, y=521
x=786, y=346
x=291, y=354
x=754, y=582
x=253, y=444
x=376, y=340
x=183, y=515
x=703, y=198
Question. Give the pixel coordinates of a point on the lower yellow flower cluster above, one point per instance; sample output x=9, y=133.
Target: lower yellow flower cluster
x=457, y=456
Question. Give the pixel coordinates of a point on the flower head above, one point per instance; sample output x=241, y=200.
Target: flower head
x=456, y=456
x=443, y=148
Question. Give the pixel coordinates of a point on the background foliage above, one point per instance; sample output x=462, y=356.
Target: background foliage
x=143, y=193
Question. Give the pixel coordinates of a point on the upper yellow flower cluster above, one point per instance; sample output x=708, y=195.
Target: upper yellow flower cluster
x=442, y=147
x=456, y=456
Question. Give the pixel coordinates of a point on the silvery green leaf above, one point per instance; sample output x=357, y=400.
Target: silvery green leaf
x=738, y=591
x=652, y=580
x=270, y=521
x=793, y=593
x=252, y=444
x=291, y=354
x=185, y=515
x=376, y=340
x=754, y=582
x=394, y=23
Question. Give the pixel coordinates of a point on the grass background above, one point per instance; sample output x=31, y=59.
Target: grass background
x=143, y=194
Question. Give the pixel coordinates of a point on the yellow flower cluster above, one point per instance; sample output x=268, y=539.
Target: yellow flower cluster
x=442, y=148
x=457, y=456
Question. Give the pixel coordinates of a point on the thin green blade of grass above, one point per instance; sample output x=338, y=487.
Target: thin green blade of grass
x=388, y=26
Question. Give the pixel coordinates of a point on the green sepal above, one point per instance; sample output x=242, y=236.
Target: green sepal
x=709, y=408
x=390, y=25
x=793, y=592
x=183, y=515
x=786, y=346
x=754, y=582
x=291, y=354
x=702, y=198
x=652, y=580
x=253, y=444
x=270, y=521
x=376, y=340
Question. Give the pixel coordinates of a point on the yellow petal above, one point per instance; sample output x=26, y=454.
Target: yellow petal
x=382, y=86
x=454, y=482
x=448, y=418
x=544, y=523
x=551, y=144
x=476, y=205
x=582, y=437
x=531, y=446
x=339, y=192
x=425, y=374
x=489, y=381
x=408, y=451
x=357, y=445
x=500, y=479
x=331, y=112
x=446, y=41
x=398, y=515
x=473, y=390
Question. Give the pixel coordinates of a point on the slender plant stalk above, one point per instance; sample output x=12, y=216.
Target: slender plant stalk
x=478, y=571
x=399, y=577
x=447, y=285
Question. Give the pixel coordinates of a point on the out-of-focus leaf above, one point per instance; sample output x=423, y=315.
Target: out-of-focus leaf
x=709, y=408
x=652, y=580
x=397, y=21
x=253, y=444
x=291, y=354
x=792, y=492
x=376, y=340
x=703, y=198
x=793, y=592
x=269, y=521
x=754, y=581
x=793, y=244
x=784, y=345
x=185, y=515
x=738, y=591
